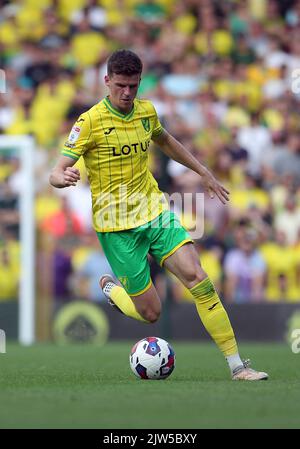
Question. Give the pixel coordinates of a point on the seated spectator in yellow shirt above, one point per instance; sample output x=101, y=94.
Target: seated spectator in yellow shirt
x=283, y=262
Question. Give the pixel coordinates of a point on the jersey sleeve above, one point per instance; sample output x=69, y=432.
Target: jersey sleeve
x=158, y=128
x=80, y=138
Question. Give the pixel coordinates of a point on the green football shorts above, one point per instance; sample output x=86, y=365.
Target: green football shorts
x=127, y=251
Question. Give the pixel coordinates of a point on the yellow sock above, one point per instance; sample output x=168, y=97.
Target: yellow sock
x=214, y=316
x=125, y=304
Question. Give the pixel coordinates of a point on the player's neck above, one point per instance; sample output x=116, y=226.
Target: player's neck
x=124, y=111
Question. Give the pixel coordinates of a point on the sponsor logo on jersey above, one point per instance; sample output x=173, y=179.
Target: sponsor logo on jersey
x=132, y=148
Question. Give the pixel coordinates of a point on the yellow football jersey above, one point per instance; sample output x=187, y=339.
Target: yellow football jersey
x=115, y=148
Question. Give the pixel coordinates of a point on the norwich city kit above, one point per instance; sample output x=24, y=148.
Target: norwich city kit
x=130, y=213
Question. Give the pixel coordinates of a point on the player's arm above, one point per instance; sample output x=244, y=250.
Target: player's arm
x=79, y=141
x=64, y=174
x=175, y=150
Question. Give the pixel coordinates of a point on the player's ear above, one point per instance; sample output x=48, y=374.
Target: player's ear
x=106, y=80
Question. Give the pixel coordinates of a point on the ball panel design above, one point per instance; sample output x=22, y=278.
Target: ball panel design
x=152, y=358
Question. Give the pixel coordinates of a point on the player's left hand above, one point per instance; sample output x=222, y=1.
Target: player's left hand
x=213, y=187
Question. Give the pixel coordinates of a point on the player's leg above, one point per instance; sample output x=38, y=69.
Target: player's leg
x=127, y=251
x=144, y=307
x=172, y=247
x=185, y=265
x=148, y=304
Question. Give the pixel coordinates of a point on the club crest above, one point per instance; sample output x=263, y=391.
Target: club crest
x=146, y=124
x=124, y=281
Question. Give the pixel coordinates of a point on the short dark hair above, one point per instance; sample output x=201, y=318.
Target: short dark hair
x=124, y=62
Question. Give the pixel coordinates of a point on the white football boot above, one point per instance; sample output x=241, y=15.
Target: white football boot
x=244, y=372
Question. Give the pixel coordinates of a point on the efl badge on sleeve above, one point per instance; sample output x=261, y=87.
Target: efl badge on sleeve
x=74, y=134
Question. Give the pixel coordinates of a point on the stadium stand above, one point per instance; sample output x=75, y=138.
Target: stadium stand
x=222, y=75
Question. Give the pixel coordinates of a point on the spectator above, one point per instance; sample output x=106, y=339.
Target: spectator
x=62, y=270
x=287, y=162
x=86, y=280
x=288, y=220
x=255, y=138
x=283, y=263
x=244, y=269
x=62, y=223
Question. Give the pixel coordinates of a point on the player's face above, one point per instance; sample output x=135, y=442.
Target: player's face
x=122, y=90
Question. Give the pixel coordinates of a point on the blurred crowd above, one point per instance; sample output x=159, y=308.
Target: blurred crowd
x=224, y=76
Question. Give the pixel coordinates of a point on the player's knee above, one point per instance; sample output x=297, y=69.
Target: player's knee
x=152, y=315
x=148, y=306
x=193, y=277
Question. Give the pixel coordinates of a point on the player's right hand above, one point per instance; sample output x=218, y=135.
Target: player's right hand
x=71, y=176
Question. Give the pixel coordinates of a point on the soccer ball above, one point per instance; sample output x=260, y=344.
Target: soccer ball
x=152, y=358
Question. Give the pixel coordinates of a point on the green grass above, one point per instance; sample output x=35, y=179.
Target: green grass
x=47, y=386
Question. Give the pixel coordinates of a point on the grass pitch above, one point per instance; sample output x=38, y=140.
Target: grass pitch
x=47, y=386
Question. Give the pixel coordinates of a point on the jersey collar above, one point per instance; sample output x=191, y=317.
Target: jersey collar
x=116, y=112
